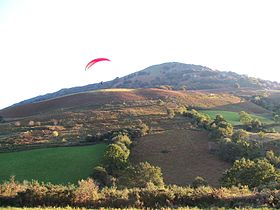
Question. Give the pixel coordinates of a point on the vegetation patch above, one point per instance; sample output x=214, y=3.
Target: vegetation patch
x=56, y=165
x=181, y=154
x=233, y=117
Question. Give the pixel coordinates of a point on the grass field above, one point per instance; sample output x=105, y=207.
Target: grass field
x=57, y=165
x=233, y=117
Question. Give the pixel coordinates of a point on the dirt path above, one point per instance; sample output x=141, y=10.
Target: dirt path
x=182, y=155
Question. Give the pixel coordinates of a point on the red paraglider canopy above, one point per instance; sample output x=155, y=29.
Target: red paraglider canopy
x=95, y=61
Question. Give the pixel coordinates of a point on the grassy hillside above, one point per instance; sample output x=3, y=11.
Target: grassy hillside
x=182, y=154
x=177, y=75
x=233, y=117
x=56, y=165
x=111, y=97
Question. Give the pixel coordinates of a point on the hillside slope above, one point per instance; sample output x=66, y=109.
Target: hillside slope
x=177, y=75
x=118, y=96
x=182, y=154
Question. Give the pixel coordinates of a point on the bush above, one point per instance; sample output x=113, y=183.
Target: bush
x=273, y=159
x=122, y=138
x=199, y=182
x=240, y=134
x=144, y=129
x=2, y=119
x=37, y=194
x=221, y=129
x=115, y=158
x=86, y=193
x=141, y=175
x=100, y=174
x=198, y=119
x=233, y=150
x=245, y=118
x=250, y=173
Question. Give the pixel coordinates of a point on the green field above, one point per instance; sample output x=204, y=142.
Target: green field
x=233, y=117
x=59, y=165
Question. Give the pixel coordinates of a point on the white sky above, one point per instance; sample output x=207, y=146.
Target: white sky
x=45, y=44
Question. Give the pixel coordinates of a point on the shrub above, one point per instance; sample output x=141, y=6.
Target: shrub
x=40, y=194
x=233, y=150
x=199, y=182
x=100, y=174
x=2, y=119
x=240, y=134
x=170, y=113
x=115, y=158
x=181, y=109
x=273, y=159
x=276, y=118
x=199, y=119
x=221, y=129
x=160, y=102
x=144, y=129
x=251, y=173
x=122, y=139
x=141, y=175
x=55, y=134
x=86, y=193
x=245, y=118
x=261, y=134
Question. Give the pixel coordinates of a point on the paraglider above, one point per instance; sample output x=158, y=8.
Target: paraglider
x=95, y=61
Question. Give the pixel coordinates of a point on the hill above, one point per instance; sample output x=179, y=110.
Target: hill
x=105, y=97
x=173, y=74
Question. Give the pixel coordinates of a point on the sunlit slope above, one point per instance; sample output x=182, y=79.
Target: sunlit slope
x=114, y=96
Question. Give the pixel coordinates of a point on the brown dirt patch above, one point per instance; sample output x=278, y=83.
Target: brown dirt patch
x=182, y=155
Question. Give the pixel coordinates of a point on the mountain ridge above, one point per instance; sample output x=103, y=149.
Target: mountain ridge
x=173, y=74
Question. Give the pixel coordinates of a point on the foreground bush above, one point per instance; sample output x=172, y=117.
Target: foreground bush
x=251, y=173
x=141, y=175
x=87, y=194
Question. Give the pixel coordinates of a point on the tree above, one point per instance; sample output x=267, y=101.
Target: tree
x=251, y=173
x=122, y=139
x=245, y=118
x=273, y=159
x=221, y=130
x=199, y=182
x=233, y=150
x=100, y=174
x=219, y=118
x=144, y=129
x=276, y=118
x=181, y=109
x=240, y=134
x=86, y=192
x=160, y=102
x=141, y=175
x=199, y=119
x=115, y=158
x=256, y=125
x=170, y=113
